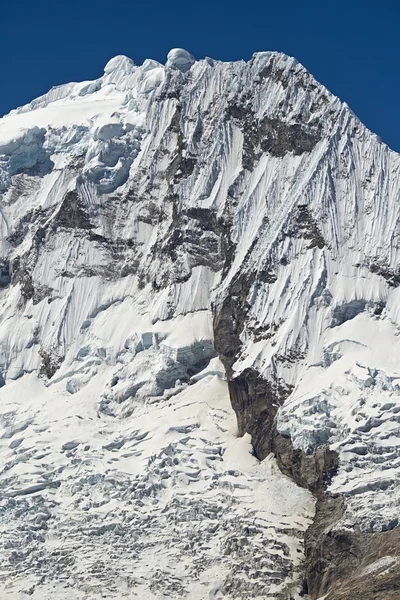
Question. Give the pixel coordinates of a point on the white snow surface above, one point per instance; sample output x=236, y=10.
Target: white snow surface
x=122, y=475
x=168, y=503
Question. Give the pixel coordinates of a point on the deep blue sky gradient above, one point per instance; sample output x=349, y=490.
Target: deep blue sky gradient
x=351, y=46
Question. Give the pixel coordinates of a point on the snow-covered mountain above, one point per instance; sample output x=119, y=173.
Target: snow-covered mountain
x=199, y=339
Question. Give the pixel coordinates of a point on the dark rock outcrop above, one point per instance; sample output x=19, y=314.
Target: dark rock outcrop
x=350, y=565
x=270, y=134
x=71, y=214
x=51, y=362
x=5, y=273
x=339, y=564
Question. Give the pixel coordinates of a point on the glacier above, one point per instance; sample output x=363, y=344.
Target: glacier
x=199, y=331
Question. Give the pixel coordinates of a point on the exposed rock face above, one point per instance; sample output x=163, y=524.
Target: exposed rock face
x=5, y=275
x=150, y=220
x=71, y=213
x=347, y=565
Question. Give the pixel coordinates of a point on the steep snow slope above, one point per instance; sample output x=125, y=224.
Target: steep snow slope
x=150, y=220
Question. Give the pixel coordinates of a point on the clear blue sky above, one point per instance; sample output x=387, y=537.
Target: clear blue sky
x=351, y=46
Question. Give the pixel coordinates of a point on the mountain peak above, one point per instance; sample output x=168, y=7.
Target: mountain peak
x=180, y=59
x=199, y=284
x=120, y=63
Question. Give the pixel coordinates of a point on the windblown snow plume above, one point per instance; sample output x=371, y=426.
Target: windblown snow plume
x=199, y=339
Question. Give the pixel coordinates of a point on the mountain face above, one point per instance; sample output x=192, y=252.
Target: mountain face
x=199, y=339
